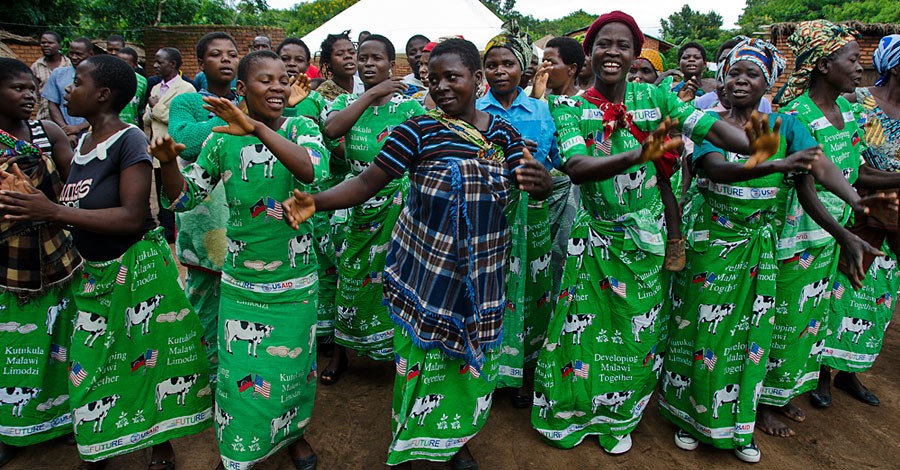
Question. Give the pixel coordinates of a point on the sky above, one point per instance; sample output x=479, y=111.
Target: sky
x=646, y=12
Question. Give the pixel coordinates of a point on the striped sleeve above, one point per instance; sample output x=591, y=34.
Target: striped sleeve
x=511, y=141
x=401, y=148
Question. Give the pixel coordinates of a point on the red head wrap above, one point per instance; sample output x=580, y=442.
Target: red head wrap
x=612, y=17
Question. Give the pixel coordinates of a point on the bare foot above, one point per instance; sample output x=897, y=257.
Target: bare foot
x=793, y=412
x=768, y=422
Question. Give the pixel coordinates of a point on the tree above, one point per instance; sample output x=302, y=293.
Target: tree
x=691, y=25
x=501, y=8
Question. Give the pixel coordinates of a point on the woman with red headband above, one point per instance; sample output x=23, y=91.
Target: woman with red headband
x=603, y=352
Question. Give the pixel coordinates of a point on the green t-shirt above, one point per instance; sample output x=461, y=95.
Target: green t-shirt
x=844, y=147
x=131, y=113
x=365, y=139
x=263, y=254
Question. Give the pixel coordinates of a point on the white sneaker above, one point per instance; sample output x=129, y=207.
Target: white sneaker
x=685, y=441
x=749, y=453
x=623, y=446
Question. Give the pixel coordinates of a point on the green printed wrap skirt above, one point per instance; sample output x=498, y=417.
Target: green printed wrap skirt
x=805, y=283
x=267, y=373
x=138, y=373
x=362, y=322
x=858, y=318
x=439, y=403
x=34, y=393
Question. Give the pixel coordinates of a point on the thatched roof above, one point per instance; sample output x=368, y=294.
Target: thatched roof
x=868, y=29
x=6, y=36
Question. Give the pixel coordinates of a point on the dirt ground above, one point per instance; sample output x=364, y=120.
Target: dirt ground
x=350, y=429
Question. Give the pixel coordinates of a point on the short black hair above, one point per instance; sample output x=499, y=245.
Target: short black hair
x=130, y=52
x=726, y=46
x=692, y=45
x=297, y=42
x=252, y=59
x=112, y=72
x=11, y=68
x=56, y=36
x=115, y=38
x=174, y=55
x=466, y=51
x=203, y=43
x=327, y=47
x=570, y=51
x=84, y=42
x=392, y=54
x=416, y=37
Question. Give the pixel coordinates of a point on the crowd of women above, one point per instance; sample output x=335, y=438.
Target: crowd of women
x=575, y=227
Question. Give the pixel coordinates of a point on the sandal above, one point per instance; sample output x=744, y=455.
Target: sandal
x=675, y=255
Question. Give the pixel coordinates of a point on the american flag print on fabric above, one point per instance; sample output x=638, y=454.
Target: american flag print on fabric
x=838, y=290
x=755, y=353
x=709, y=360
x=261, y=386
x=122, y=275
x=806, y=259
x=150, y=356
x=400, y=362
x=77, y=374
x=58, y=352
x=273, y=209
x=582, y=369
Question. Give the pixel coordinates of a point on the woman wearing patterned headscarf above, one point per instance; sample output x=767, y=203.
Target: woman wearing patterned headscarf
x=846, y=351
x=718, y=340
x=600, y=363
x=528, y=290
x=827, y=65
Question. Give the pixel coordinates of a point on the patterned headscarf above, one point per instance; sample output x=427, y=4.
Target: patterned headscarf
x=513, y=40
x=655, y=58
x=886, y=57
x=762, y=53
x=811, y=41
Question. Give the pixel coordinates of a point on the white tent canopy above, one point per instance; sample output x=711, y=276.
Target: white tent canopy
x=399, y=20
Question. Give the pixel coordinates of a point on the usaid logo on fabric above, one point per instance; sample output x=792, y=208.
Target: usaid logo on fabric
x=646, y=114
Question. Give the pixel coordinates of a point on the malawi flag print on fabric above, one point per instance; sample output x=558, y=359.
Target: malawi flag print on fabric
x=413, y=372
x=138, y=363
x=245, y=384
x=257, y=208
x=616, y=285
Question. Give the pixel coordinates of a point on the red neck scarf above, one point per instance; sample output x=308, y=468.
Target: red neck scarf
x=615, y=116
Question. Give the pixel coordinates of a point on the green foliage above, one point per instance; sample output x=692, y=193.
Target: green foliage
x=691, y=25
x=763, y=12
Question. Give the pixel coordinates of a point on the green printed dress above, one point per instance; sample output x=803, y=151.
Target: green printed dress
x=599, y=363
x=362, y=322
x=267, y=317
x=807, y=261
x=857, y=319
x=723, y=302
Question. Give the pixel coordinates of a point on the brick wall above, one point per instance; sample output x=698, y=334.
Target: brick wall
x=27, y=53
x=184, y=38
x=867, y=45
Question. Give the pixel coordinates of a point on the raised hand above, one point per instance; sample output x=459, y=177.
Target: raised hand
x=797, y=162
x=656, y=144
x=238, y=122
x=689, y=90
x=16, y=181
x=539, y=86
x=300, y=89
x=165, y=149
x=298, y=208
x=388, y=87
x=763, y=140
